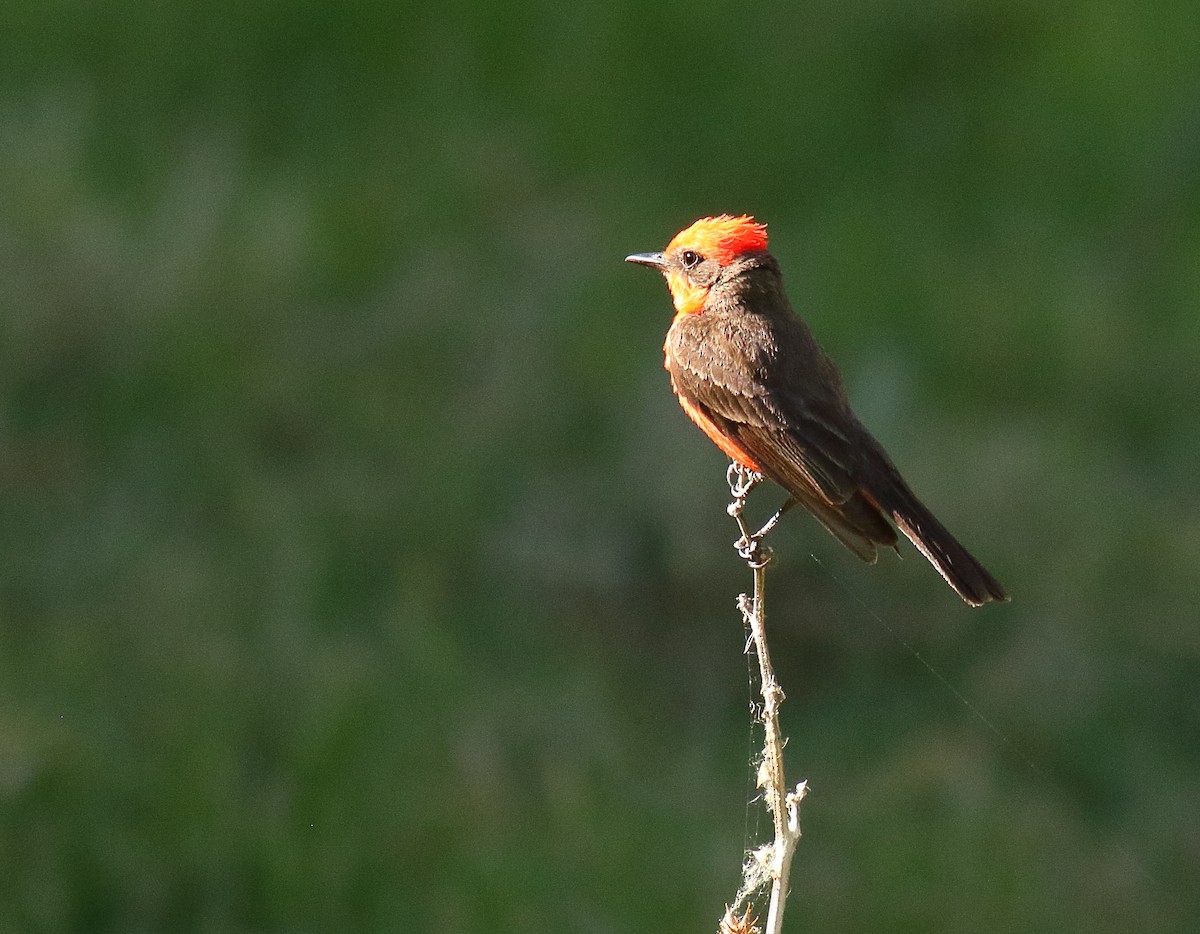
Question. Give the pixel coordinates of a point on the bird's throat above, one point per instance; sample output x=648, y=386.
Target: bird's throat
x=688, y=298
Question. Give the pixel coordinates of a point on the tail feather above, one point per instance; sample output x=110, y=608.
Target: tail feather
x=967, y=576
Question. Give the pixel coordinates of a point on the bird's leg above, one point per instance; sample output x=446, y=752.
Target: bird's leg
x=741, y=481
x=770, y=523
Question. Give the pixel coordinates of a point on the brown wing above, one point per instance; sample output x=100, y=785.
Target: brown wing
x=796, y=444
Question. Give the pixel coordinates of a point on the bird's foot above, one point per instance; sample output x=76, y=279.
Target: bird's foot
x=741, y=481
x=750, y=548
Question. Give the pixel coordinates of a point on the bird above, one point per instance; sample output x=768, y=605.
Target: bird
x=749, y=372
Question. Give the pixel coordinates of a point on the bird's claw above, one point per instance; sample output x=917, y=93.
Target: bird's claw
x=751, y=549
x=741, y=481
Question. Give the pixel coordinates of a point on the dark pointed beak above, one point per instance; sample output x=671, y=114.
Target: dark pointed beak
x=657, y=260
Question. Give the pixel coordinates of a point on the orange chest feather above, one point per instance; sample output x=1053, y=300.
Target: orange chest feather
x=728, y=445
x=731, y=448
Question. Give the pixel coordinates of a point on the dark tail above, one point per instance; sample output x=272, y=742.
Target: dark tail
x=957, y=565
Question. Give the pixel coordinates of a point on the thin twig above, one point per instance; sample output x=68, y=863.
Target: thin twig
x=775, y=859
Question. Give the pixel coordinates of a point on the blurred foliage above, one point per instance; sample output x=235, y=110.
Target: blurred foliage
x=358, y=571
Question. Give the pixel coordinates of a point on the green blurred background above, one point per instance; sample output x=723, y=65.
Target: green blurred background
x=359, y=571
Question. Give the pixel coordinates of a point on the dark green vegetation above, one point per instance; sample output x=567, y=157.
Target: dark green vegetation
x=358, y=572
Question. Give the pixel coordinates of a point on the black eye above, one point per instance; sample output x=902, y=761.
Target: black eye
x=689, y=258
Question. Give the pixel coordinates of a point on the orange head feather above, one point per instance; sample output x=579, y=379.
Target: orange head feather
x=721, y=238
x=716, y=239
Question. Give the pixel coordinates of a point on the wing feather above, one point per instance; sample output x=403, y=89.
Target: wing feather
x=798, y=447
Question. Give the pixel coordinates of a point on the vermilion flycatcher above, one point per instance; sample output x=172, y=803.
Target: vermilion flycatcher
x=749, y=372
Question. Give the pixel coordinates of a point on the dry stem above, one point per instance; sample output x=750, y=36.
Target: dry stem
x=776, y=859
